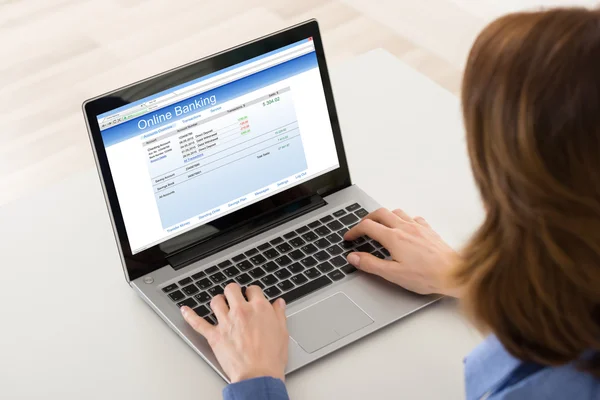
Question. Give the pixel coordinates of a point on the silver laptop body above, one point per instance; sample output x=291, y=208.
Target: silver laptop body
x=232, y=169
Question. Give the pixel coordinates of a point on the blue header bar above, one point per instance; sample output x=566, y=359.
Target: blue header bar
x=159, y=120
x=195, y=81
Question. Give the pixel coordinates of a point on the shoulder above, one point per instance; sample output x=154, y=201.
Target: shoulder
x=492, y=373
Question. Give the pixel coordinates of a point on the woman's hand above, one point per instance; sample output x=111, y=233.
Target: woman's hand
x=420, y=258
x=251, y=338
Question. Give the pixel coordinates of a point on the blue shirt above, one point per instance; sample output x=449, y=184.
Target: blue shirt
x=490, y=373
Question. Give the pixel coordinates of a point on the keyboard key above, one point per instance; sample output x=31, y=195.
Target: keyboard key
x=348, y=269
x=296, y=255
x=199, y=275
x=272, y=292
x=321, y=255
x=295, y=268
x=204, y=283
x=243, y=279
x=290, y=235
x=334, y=238
x=271, y=266
x=276, y=241
x=222, y=265
x=359, y=240
x=169, y=288
x=376, y=243
x=190, y=290
x=210, y=319
x=283, y=274
x=299, y=279
x=215, y=291
x=352, y=226
x=285, y=285
x=314, y=224
x=213, y=269
x=335, y=250
x=269, y=280
x=284, y=247
x=362, y=213
x=271, y=253
x=323, y=231
x=257, y=283
x=244, y=265
x=257, y=273
x=218, y=277
x=386, y=252
x=349, y=219
x=322, y=243
x=310, y=236
x=185, y=281
x=347, y=245
x=302, y=230
x=335, y=225
x=231, y=272
x=339, y=213
x=338, y=261
x=325, y=267
x=227, y=282
x=263, y=246
x=312, y=273
x=202, y=311
x=353, y=207
x=297, y=242
x=309, y=248
x=202, y=297
x=378, y=254
x=326, y=219
x=365, y=248
x=258, y=259
x=177, y=296
x=251, y=252
x=238, y=258
x=336, y=275
x=188, y=302
x=308, y=262
x=342, y=232
x=283, y=261
x=305, y=289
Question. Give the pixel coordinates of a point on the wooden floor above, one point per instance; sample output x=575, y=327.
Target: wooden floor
x=57, y=53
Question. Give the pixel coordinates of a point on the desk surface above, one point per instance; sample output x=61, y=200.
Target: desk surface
x=73, y=329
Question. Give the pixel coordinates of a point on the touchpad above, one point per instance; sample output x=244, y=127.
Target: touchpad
x=326, y=321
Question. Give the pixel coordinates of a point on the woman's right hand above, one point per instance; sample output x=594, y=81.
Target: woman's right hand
x=420, y=258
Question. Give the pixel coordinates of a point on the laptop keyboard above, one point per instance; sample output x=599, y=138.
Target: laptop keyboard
x=291, y=266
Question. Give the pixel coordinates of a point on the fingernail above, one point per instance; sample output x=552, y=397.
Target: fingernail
x=353, y=259
x=282, y=302
x=184, y=310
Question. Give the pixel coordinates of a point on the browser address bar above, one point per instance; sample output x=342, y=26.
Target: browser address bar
x=225, y=78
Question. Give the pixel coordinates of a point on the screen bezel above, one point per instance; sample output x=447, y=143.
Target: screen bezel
x=146, y=261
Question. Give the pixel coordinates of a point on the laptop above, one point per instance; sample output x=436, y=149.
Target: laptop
x=232, y=169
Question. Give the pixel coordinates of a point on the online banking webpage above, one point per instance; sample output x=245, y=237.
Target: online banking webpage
x=194, y=153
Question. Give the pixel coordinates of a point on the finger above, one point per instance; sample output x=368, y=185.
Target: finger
x=254, y=293
x=404, y=216
x=372, y=229
x=421, y=221
x=219, y=307
x=369, y=263
x=233, y=294
x=196, y=322
x=385, y=217
x=279, y=307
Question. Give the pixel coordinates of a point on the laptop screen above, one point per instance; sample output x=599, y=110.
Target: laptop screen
x=183, y=157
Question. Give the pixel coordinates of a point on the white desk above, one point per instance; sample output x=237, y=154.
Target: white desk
x=72, y=328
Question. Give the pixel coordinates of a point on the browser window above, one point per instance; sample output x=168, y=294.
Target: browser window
x=187, y=156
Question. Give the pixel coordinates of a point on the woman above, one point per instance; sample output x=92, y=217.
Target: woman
x=530, y=276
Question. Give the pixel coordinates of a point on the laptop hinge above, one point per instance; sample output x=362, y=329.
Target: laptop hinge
x=253, y=227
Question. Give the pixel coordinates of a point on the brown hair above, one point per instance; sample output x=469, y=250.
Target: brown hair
x=531, y=105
